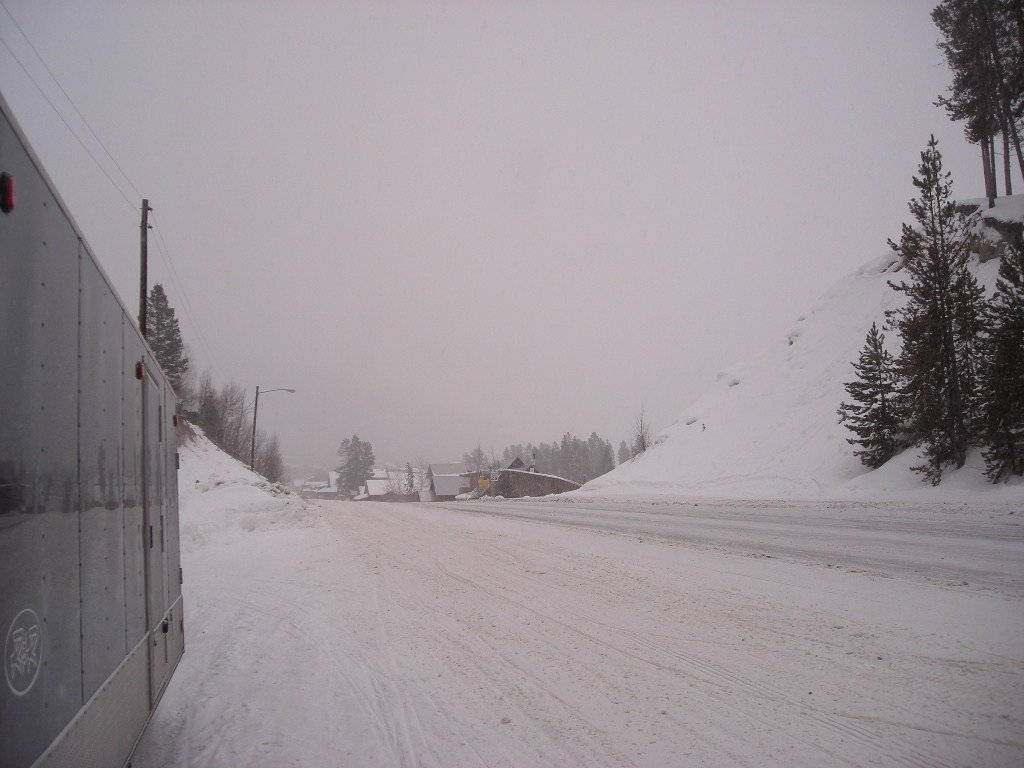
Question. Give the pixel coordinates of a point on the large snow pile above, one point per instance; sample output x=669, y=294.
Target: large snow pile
x=769, y=429
x=218, y=495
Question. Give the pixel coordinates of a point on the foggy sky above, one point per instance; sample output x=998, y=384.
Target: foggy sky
x=456, y=223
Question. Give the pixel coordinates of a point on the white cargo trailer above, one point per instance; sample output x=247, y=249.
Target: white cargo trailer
x=91, y=620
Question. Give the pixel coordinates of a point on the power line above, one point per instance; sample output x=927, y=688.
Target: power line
x=67, y=125
x=70, y=100
x=186, y=303
x=161, y=242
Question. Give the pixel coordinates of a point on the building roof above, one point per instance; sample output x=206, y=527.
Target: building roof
x=453, y=468
x=538, y=474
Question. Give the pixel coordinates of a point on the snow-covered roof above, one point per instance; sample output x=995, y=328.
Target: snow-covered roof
x=451, y=468
x=537, y=474
x=376, y=486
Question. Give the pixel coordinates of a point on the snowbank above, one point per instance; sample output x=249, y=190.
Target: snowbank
x=219, y=496
x=769, y=429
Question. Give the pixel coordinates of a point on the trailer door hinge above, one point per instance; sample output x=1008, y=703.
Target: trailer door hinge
x=181, y=579
x=151, y=537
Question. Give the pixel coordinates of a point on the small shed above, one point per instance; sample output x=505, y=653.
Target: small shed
x=445, y=482
x=377, y=488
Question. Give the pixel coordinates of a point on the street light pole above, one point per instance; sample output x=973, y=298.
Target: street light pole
x=255, y=408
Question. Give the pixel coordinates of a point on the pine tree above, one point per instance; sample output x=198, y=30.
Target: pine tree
x=475, y=460
x=1000, y=397
x=872, y=415
x=356, y=466
x=983, y=42
x=410, y=478
x=938, y=321
x=972, y=93
x=164, y=337
x=600, y=457
x=624, y=454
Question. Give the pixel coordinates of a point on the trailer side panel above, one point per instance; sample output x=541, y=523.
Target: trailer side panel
x=88, y=599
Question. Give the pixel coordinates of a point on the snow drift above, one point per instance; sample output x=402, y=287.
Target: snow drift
x=769, y=429
x=219, y=496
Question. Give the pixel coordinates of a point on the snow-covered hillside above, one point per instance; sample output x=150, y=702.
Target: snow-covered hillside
x=218, y=495
x=769, y=429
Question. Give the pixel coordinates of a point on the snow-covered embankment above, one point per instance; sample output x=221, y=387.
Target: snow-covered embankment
x=769, y=429
x=218, y=495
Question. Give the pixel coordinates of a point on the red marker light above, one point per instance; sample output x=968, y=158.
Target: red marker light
x=6, y=192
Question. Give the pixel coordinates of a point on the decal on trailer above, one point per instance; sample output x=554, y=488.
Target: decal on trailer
x=23, y=651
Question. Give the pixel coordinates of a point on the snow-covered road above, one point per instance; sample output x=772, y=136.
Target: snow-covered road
x=530, y=634
x=936, y=543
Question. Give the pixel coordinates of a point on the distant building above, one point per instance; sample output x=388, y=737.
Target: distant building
x=387, y=484
x=320, y=486
x=480, y=480
x=444, y=482
x=515, y=483
x=377, y=488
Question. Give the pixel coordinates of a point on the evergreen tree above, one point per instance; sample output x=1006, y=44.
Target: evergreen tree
x=574, y=461
x=356, y=466
x=600, y=456
x=410, y=478
x=983, y=42
x=475, y=460
x=1000, y=398
x=164, y=337
x=938, y=321
x=624, y=454
x=872, y=416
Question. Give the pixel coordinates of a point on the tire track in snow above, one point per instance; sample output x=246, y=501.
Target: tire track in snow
x=716, y=676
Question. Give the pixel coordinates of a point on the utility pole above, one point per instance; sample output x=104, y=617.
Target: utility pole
x=143, y=265
x=255, y=408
